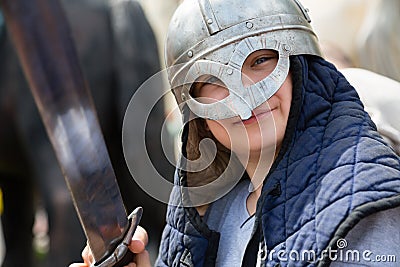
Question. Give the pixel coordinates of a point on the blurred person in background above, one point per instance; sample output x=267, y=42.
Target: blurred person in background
x=378, y=40
x=377, y=75
x=365, y=36
x=337, y=22
x=381, y=97
x=118, y=52
x=15, y=172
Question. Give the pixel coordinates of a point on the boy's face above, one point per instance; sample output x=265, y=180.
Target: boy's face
x=265, y=129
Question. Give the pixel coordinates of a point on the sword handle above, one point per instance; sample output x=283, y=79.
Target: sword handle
x=128, y=258
x=122, y=255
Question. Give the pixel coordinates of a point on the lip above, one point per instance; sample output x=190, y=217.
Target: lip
x=256, y=115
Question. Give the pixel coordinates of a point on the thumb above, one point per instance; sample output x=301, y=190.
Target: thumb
x=139, y=241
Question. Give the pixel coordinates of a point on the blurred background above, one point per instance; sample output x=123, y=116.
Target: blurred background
x=38, y=218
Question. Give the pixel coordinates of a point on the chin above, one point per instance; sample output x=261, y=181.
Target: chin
x=258, y=145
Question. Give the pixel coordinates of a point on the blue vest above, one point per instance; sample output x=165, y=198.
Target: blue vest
x=333, y=170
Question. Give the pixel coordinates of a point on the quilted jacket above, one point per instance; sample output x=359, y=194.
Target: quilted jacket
x=333, y=170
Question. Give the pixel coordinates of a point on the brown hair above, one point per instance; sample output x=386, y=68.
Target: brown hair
x=197, y=132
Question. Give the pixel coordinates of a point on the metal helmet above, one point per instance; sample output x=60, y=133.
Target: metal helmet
x=214, y=37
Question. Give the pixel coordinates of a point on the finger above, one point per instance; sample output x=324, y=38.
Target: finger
x=141, y=234
x=139, y=241
x=80, y=265
x=87, y=256
x=143, y=259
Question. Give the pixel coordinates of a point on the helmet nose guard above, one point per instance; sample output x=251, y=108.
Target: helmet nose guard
x=212, y=30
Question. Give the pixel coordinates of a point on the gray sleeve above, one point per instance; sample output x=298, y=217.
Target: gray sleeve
x=374, y=241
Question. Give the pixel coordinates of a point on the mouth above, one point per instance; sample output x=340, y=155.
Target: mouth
x=255, y=116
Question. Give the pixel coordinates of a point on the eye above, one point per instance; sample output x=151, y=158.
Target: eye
x=262, y=60
x=204, y=82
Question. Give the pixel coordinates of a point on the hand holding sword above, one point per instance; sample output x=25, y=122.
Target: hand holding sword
x=44, y=45
x=137, y=246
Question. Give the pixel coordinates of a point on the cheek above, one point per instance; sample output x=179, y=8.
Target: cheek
x=220, y=132
x=212, y=93
x=285, y=96
x=285, y=99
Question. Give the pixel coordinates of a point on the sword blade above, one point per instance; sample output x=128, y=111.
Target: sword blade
x=44, y=45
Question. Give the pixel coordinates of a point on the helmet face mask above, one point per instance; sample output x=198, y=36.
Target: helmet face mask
x=214, y=37
x=241, y=101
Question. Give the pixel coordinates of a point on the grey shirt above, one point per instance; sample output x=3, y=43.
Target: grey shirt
x=230, y=217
